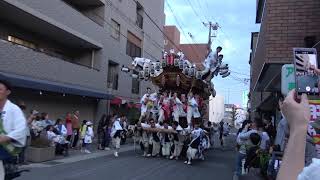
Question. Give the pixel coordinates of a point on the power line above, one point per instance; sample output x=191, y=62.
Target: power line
x=176, y=19
x=240, y=73
x=195, y=12
x=202, y=12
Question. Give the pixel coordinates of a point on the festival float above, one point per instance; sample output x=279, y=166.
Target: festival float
x=182, y=87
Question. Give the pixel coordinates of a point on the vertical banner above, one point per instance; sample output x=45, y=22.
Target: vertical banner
x=314, y=109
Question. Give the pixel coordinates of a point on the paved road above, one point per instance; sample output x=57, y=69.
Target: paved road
x=131, y=166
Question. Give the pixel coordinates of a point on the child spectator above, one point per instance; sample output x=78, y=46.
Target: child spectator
x=83, y=131
x=253, y=146
x=88, y=137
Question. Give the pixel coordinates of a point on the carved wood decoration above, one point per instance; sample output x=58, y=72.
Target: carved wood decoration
x=167, y=81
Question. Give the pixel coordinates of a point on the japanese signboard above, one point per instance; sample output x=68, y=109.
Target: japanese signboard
x=287, y=78
x=288, y=83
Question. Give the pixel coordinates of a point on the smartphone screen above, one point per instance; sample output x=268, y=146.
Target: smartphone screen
x=305, y=60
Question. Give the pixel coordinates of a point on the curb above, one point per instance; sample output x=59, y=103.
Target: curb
x=76, y=158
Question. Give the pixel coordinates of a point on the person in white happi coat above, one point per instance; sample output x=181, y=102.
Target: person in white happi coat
x=178, y=140
x=140, y=63
x=145, y=105
x=177, y=107
x=116, y=131
x=196, y=141
x=151, y=132
x=154, y=111
x=166, y=139
x=192, y=109
x=13, y=132
x=144, y=137
x=211, y=62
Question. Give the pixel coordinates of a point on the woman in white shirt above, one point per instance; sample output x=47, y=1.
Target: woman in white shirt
x=61, y=127
x=57, y=140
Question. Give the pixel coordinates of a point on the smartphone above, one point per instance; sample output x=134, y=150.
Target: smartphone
x=305, y=59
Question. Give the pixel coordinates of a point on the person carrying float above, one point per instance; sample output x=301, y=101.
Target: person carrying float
x=166, y=138
x=179, y=138
x=197, y=144
x=151, y=131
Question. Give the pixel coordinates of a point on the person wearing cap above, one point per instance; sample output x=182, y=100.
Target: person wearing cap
x=13, y=131
x=88, y=137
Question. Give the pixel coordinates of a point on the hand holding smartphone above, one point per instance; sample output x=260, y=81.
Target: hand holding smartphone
x=305, y=63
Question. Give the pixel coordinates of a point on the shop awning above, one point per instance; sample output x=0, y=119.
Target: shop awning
x=269, y=104
x=116, y=101
x=45, y=85
x=269, y=78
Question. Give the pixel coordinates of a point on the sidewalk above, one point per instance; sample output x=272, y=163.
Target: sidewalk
x=76, y=156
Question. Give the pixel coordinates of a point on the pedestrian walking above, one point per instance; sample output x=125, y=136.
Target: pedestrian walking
x=116, y=135
x=12, y=129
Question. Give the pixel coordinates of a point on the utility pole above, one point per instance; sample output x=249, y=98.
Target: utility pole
x=209, y=41
x=214, y=27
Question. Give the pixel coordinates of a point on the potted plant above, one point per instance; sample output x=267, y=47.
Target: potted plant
x=40, y=150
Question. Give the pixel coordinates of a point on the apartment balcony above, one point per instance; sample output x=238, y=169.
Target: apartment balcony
x=86, y=3
x=54, y=19
x=31, y=63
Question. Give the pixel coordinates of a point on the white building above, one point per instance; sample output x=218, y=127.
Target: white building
x=216, y=108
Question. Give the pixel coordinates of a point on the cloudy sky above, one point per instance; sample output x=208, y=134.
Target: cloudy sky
x=237, y=21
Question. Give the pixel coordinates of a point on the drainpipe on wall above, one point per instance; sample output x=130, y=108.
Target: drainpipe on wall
x=92, y=59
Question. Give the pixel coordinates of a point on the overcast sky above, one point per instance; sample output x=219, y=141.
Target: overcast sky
x=237, y=21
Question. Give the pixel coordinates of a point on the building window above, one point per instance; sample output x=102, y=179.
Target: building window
x=113, y=75
x=21, y=42
x=134, y=45
x=115, y=31
x=139, y=21
x=135, y=84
